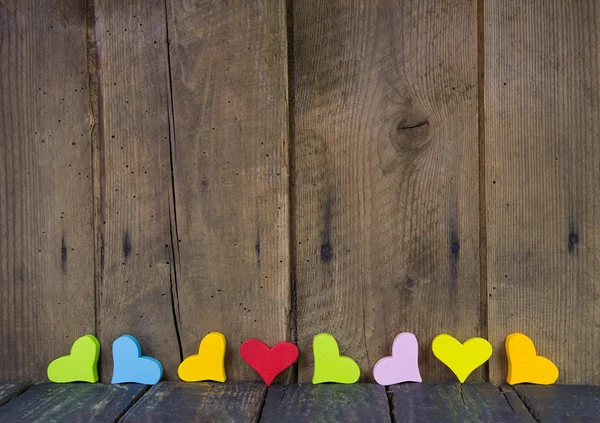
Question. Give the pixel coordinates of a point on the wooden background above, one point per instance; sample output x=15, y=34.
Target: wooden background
x=277, y=169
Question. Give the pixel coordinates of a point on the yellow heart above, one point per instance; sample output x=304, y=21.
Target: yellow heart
x=208, y=364
x=80, y=366
x=462, y=359
x=524, y=366
x=329, y=365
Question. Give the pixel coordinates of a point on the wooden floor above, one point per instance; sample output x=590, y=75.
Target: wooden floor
x=253, y=402
x=274, y=169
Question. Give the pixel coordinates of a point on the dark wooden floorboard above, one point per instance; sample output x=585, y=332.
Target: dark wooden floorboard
x=11, y=389
x=242, y=402
x=451, y=402
x=199, y=402
x=561, y=403
x=326, y=403
x=72, y=402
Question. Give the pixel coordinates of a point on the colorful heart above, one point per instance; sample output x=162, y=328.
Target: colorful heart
x=130, y=366
x=329, y=365
x=403, y=365
x=80, y=366
x=268, y=362
x=209, y=363
x=524, y=365
x=462, y=359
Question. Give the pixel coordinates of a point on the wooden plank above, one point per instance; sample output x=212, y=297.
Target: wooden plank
x=46, y=240
x=133, y=167
x=326, y=403
x=561, y=403
x=453, y=402
x=386, y=176
x=541, y=176
x=199, y=402
x=72, y=402
x=9, y=390
x=228, y=63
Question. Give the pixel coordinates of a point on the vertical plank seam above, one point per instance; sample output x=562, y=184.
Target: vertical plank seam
x=173, y=215
x=131, y=403
x=390, y=398
x=527, y=405
x=293, y=321
x=483, y=289
x=262, y=404
x=502, y=392
x=96, y=133
x=461, y=391
x=505, y=389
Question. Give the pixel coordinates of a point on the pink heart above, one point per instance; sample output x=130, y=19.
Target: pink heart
x=403, y=365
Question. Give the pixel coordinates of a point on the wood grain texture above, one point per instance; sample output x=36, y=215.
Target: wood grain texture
x=542, y=170
x=135, y=264
x=453, y=402
x=561, y=403
x=326, y=403
x=386, y=175
x=9, y=390
x=229, y=74
x=199, y=402
x=71, y=402
x=46, y=242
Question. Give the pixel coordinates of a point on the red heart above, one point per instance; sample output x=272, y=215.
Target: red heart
x=268, y=362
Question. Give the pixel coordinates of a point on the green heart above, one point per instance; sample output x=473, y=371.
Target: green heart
x=80, y=366
x=329, y=365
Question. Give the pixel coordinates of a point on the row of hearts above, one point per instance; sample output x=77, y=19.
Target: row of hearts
x=130, y=366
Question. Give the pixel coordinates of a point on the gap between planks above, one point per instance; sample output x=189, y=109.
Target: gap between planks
x=174, y=230
x=293, y=319
x=483, y=286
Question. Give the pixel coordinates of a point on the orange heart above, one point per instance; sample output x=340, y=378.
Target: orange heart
x=524, y=366
x=208, y=364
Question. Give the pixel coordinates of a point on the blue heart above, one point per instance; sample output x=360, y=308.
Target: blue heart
x=131, y=366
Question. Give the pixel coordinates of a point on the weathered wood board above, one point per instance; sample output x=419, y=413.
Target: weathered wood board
x=199, y=402
x=454, y=402
x=11, y=389
x=46, y=238
x=71, y=402
x=561, y=403
x=326, y=403
x=542, y=166
x=385, y=184
x=229, y=81
x=135, y=266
